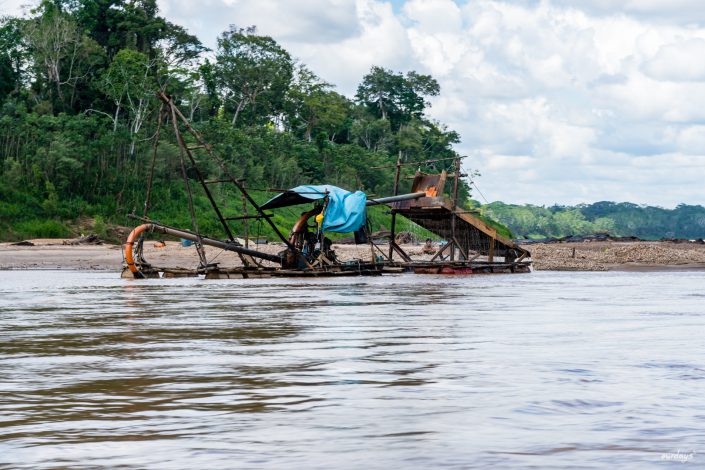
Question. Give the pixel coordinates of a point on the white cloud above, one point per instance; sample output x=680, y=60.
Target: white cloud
x=382, y=40
x=15, y=7
x=691, y=140
x=437, y=52
x=686, y=12
x=434, y=16
x=307, y=21
x=681, y=61
x=643, y=98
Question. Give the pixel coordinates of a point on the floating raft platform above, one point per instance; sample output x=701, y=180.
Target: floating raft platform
x=344, y=270
x=460, y=267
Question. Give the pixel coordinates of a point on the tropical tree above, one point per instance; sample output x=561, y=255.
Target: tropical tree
x=63, y=55
x=312, y=105
x=251, y=71
x=130, y=84
x=394, y=96
x=372, y=133
x=13, y=55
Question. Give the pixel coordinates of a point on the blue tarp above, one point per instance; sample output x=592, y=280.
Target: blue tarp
x=345, y=212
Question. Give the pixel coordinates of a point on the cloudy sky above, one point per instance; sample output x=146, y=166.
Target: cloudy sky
x=556, y=101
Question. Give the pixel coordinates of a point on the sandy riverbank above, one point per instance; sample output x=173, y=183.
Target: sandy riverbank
x=588, y=256
x=54, y=254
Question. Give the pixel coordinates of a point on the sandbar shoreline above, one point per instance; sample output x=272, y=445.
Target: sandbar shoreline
x=641, y=256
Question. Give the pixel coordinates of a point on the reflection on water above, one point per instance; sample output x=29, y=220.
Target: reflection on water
x=586, y=370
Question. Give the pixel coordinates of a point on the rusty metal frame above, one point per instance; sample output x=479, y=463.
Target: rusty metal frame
x=202, y=144
x=429, y=199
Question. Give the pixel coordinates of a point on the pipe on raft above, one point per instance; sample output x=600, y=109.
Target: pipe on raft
x=229, y=246
x=401, y=197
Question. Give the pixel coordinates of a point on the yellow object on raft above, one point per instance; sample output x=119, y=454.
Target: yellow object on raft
x=319, y=218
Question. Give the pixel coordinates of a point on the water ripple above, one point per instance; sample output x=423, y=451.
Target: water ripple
x=548, y=370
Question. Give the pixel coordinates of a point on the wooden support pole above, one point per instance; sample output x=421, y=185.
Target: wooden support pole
x=192, y=211
x=445, y=247
x=246, y=224
x=238, y=183
x=150, y=182
x=463, y=253
x=392, y=237
x=401, y=252
x=455, y=207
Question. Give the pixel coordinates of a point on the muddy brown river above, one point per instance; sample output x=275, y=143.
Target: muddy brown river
x=546, y=370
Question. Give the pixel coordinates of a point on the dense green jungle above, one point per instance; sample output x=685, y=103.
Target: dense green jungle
x=78, y=128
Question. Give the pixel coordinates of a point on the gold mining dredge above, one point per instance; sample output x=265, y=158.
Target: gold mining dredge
x=471, y=246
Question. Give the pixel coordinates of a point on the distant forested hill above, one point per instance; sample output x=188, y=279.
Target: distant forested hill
x=621, y=219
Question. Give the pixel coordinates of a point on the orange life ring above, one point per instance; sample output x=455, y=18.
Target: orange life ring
x=130, y=243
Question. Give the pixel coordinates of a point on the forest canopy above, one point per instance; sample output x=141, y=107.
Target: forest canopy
x=78, y=116
x=617, y=219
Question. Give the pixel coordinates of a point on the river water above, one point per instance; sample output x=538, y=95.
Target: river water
x=545, y=370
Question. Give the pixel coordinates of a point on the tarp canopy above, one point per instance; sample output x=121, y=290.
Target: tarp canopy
x=345, y=212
